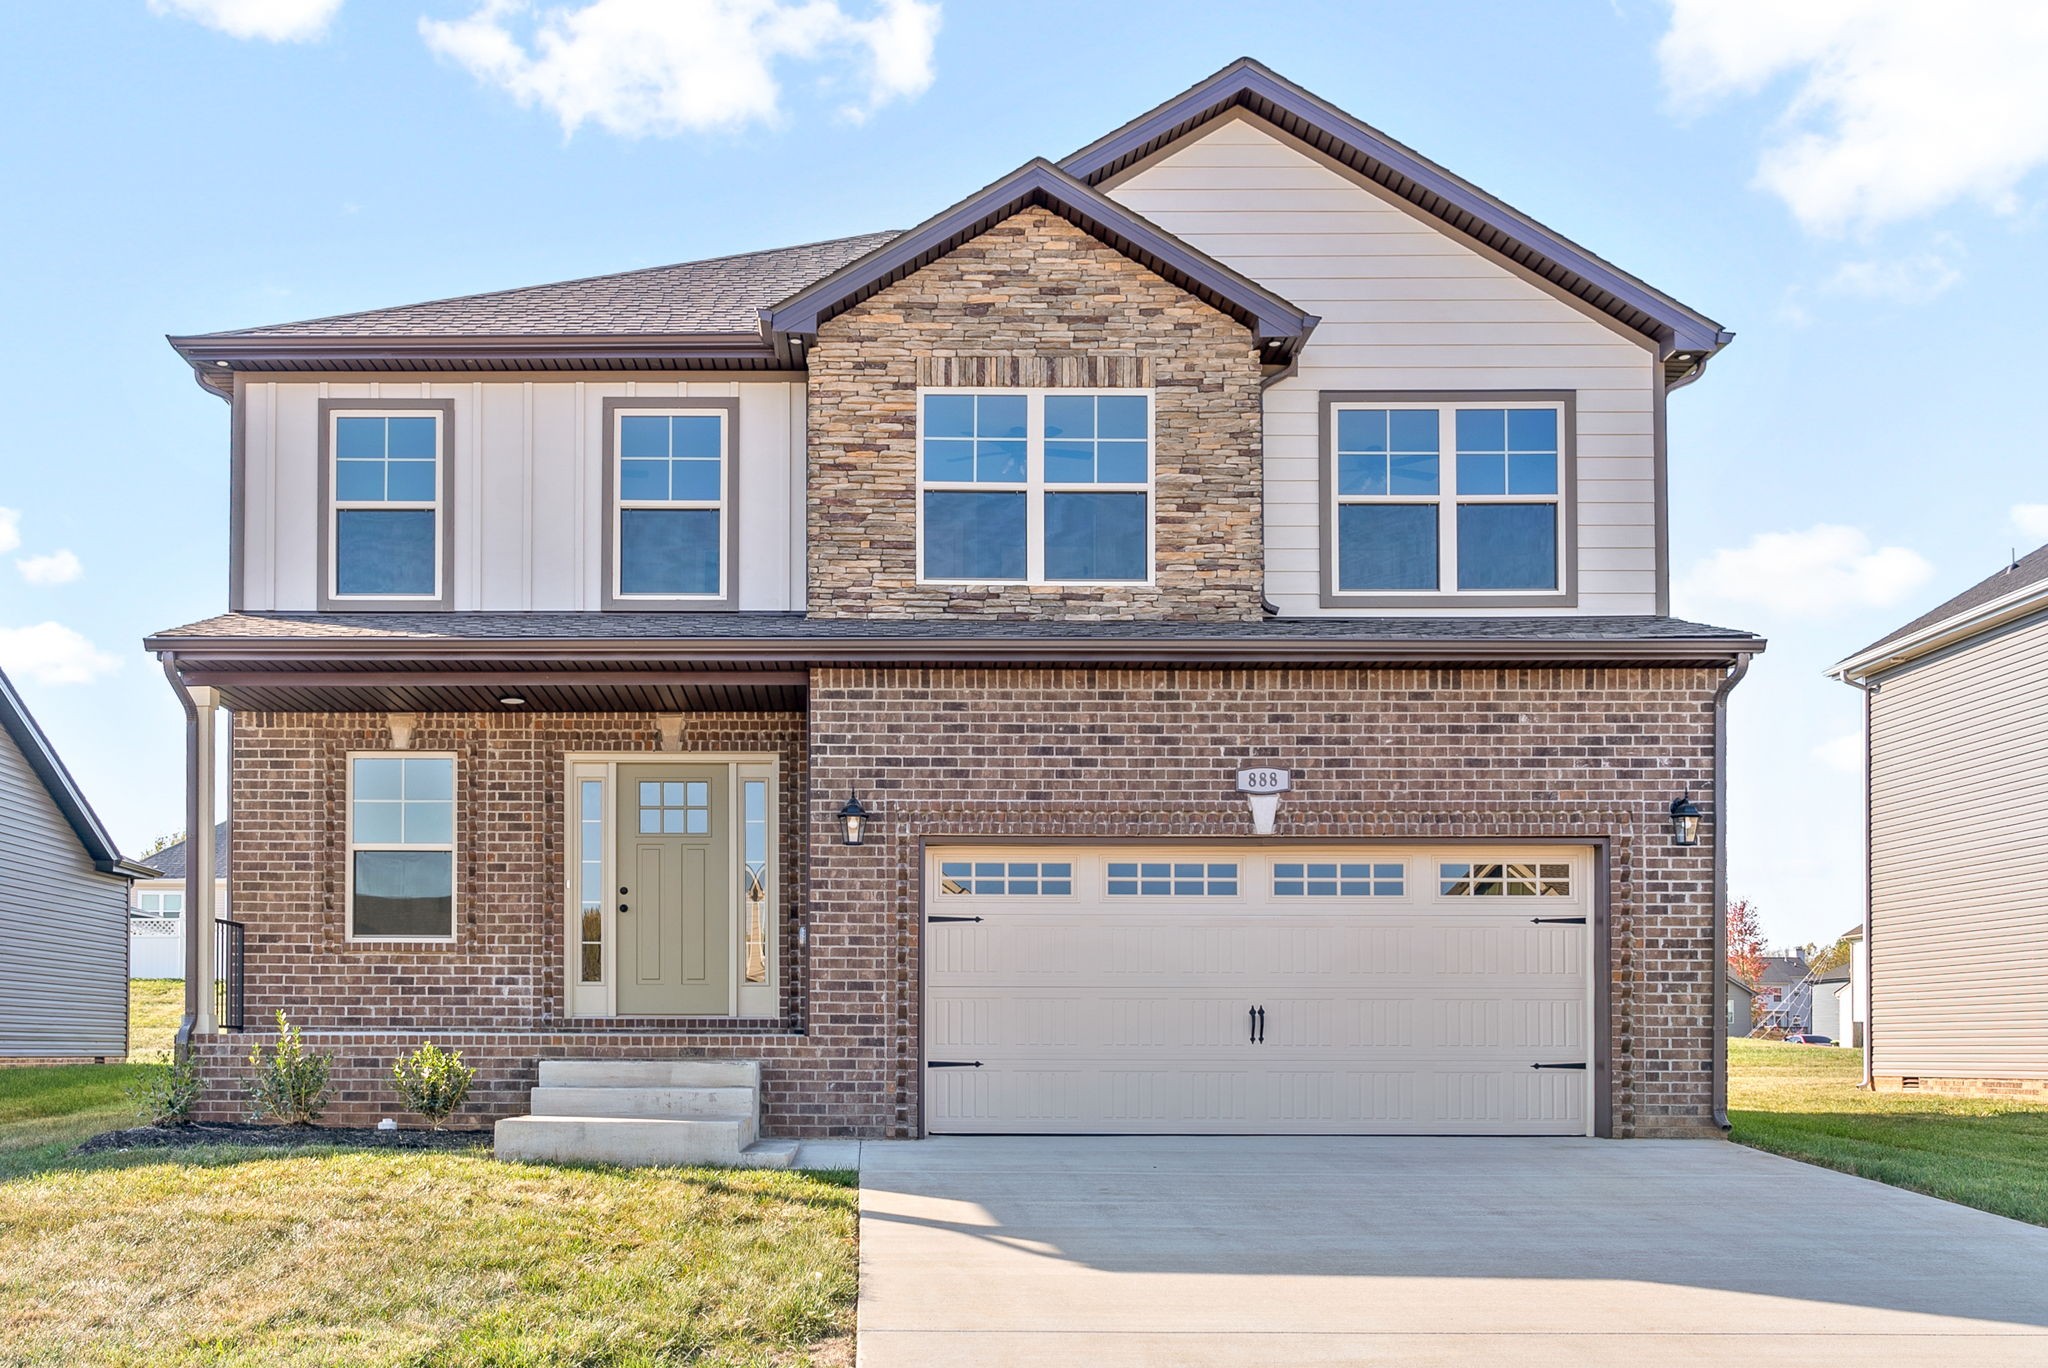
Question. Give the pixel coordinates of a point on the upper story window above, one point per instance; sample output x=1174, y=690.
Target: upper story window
x=386, y=475
x=1035, y=486
x=669, y=482
x=1447, y=495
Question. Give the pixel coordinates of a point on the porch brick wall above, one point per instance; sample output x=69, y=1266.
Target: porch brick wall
x=1034, y=301
x=1419, y=754
x=497, y=991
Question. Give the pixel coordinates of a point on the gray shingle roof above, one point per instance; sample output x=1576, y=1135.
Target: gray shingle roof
x=720, y=295
x=517, y=627
x=170, y=861
x=2028, y=570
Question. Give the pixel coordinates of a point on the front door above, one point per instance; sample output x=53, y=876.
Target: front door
x=675, y=897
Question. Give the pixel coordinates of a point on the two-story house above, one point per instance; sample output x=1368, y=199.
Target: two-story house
x=836, y=665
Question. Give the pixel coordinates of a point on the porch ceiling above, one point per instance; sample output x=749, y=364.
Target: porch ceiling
x=398, y=686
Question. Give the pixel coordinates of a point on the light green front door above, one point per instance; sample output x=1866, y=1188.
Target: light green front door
x=675, y=891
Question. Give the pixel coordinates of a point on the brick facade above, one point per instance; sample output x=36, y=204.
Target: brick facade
x=1421, y=754
x=1034, y=301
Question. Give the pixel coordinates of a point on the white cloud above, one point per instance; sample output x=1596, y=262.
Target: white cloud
x=1844, y=753
x=2031, y=519
x=1897, y=107
x=59, y=567
x=51, y=653
x=1914, y=279
x=1812, y=573
x=276, y=21
x=10, y=529
x=639, y=67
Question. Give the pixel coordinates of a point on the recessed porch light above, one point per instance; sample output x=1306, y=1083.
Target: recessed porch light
x=512, y=700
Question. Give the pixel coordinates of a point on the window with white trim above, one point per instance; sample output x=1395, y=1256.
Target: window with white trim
x=673, y=496
x=169, y=905
x=1035, y=486
x=1172, y=878
x=1449, y=498
x=1505, y=880
x=1339, y=879
x=401, y=847
x=388, y=483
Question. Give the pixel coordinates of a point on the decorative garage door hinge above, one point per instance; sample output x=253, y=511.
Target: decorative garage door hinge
x=952, y=1063
x=952, y=919
x=1580, y=1065
x=1558, y=921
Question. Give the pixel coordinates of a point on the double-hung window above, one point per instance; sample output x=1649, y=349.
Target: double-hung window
x=401, y=847
x=1447, y=497
x=671, y=480
x=1035, y=486
x=387, y=478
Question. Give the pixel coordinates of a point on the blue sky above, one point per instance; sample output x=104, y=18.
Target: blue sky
x=1852, y=187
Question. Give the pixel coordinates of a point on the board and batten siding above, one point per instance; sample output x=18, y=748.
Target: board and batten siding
x=1407, y=305
x=527, y=458
x=1959, y=910
x=63, y=930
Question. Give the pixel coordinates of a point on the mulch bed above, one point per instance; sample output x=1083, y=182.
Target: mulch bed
x=280, y=1137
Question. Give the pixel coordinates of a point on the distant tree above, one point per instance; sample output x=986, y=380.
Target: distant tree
x=1746, y=942
x=1821, y=962
x=163, y=842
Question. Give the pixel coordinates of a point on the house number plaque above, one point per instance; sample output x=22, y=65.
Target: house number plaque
x=1262, y=789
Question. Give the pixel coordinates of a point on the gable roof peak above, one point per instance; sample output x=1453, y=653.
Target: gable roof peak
x=1686, y=337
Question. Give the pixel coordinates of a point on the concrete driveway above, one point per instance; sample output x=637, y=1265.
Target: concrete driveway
x=1185, y=1251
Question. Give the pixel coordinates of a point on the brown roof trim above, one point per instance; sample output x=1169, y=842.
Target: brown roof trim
x=1280, y=326
x=740, y=654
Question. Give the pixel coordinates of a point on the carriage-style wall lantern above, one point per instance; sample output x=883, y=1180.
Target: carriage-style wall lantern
x=1685, y=820
x=853, y=821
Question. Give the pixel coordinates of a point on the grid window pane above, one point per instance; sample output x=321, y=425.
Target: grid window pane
x=1320, y=879
x=384, y=551
x=1015, y=878
x=974, y=536
x=669, y=551
x=359, y=481
x=1386, y=547
x=1507, y=546
x=359, y=439
x=1095, y=536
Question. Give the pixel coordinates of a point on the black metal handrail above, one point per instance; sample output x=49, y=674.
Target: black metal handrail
x=228, y=987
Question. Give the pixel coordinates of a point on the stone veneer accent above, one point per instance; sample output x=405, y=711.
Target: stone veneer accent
x=1034, y=301
x=1412, y=754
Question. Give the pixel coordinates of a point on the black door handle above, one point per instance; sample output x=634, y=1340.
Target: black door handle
x=1251, y=1025
x=1262, y=1025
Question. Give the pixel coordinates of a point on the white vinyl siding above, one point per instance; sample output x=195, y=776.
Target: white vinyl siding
x=63, y=930
x=526, y=469
x=1959, y=910
x=1408, y=306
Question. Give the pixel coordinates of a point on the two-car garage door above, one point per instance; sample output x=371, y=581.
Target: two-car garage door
x=1356, y=990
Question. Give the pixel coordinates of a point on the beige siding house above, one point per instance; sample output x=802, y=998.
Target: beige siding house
x=1957, y=933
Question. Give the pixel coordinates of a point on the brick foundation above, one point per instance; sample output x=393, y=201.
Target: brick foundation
x=1417, y=754
x=2018, y=1089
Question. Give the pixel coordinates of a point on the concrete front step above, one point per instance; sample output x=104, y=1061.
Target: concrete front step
x=632, y=1140
x=652, y=1103
x=650, y=1073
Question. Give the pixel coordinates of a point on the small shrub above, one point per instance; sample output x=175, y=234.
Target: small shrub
x=165, y=1096
x=432, y=1082
x=290, y=1085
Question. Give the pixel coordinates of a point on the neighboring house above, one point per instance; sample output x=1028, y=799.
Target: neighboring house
x=571, y=627
x=63, y=907
x=1829, y=1002
x=1956, y=926
x=1857, y=992
x=156, y=912
x=1741, y=1015
x=1785, y=992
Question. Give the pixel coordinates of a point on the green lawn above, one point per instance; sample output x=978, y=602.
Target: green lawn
x=233, y=1255
x=154, y=1007
x=1803, y=1101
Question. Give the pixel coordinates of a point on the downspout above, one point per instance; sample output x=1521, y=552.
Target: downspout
x=190, y=1021
x=1720, y=967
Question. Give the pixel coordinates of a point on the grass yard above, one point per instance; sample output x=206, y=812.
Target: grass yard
x=154, y=1007
x=233, y=1256
x=1803, y=1101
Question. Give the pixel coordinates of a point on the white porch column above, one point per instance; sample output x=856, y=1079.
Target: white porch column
x=199, y=870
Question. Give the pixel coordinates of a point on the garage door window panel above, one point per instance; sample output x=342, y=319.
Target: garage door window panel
x=1172, y=879
x=1006, y=878
x=1325, y=879
x=1546, y=879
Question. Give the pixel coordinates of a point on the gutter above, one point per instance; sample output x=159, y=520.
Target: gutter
x=1866, y=665
x=1727, y=686
x=189, y=1022
x=807, y=651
